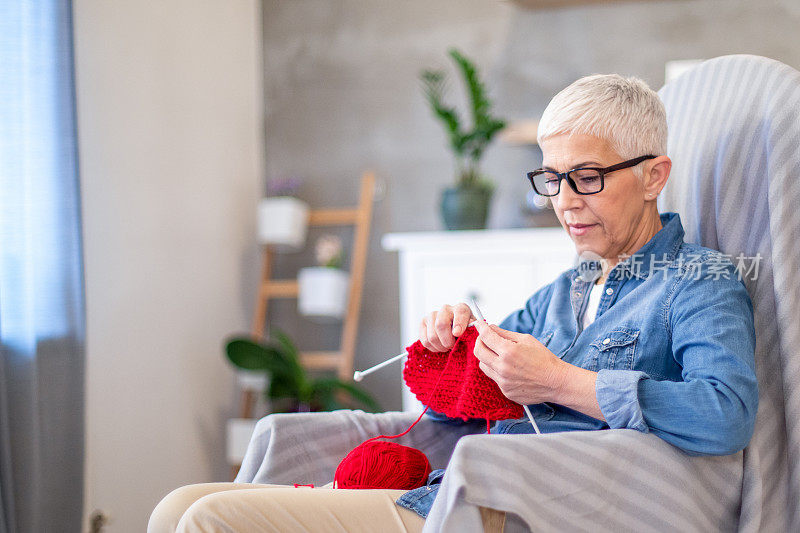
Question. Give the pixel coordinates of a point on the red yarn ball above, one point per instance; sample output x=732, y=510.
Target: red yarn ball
x=382, y=465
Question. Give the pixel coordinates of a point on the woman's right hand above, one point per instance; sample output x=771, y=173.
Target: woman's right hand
x=439, y=329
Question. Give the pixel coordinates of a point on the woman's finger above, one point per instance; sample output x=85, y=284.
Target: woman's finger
x=462, y=315
x=491, y=339
x=506, y=334
x=444, y=327
x=423, y=336
x=484, y=354
x=489, y=371
x=435, y=344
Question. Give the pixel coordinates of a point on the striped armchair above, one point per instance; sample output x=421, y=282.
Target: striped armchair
x=735, y=143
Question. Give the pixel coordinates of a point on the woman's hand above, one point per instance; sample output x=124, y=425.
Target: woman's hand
x=522, y=367
x=439, y=329
x=527, y=372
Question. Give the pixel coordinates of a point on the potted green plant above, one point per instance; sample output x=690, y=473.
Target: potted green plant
x=290, y=388
x=465, y=206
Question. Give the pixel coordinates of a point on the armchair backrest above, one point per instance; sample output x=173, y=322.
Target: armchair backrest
x=734, y=139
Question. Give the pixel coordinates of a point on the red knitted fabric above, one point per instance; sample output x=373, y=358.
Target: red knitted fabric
x=463, y=390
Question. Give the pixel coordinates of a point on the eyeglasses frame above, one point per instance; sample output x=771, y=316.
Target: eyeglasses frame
x=572, y=185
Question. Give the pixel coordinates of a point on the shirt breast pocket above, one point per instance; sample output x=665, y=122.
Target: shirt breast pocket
x=616, y=350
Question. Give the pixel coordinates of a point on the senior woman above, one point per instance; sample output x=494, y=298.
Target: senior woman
x=659, y=338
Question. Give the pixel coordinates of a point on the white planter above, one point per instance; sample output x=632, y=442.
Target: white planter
x=323, y=293
x=238, y=433
x=253, y=380
x=283, y=222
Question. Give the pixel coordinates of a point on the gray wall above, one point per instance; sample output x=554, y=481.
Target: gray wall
x=341, y=95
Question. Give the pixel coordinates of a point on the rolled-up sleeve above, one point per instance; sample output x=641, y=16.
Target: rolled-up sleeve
x=618, y=396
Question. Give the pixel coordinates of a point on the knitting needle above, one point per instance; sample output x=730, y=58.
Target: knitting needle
x=525, y=407
x=530, y=417
x=477, y=309
x=359, y=375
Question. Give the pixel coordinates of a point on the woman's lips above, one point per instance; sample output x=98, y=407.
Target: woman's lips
x=580, y=229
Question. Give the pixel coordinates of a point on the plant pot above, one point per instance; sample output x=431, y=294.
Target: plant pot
x=282, y=222
x=294, y=406
x=253, y=380
x=323, y=293
x=238, y=432
x=465, y=208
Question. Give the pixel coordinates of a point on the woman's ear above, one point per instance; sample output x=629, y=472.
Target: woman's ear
x=656, y=175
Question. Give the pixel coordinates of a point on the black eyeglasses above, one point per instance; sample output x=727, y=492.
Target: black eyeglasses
x=584, y=180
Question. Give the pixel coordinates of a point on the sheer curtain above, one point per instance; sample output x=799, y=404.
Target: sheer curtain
x=41, y=274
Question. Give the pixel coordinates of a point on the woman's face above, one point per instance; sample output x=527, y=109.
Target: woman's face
x=617, y=220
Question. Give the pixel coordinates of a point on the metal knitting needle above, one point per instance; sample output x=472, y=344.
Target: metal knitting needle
x=477, y=309
x=525, y=407
x=359, y=375
x=530, y=417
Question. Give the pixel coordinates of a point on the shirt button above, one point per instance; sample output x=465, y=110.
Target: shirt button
x=606, y=341
x=577, y=294
x=609, y=291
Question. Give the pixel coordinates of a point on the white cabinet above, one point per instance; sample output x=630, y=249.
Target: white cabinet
x=499, y=268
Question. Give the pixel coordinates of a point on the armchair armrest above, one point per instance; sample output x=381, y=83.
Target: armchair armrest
x=307, y=447
x=611, y=480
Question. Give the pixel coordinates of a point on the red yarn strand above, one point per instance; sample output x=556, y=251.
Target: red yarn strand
x=469, y=394
x=403, y=470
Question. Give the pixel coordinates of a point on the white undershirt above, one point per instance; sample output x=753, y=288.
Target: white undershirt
x=594, y=301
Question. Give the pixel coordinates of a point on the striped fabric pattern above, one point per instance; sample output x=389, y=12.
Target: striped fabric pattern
x=615, y=480
x=735, y=145
x=307, y=447
x=734, y=138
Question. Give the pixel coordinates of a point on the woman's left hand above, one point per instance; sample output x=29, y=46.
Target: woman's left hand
x=522, y=367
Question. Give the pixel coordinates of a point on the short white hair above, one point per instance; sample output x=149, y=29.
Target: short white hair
x=623, y=111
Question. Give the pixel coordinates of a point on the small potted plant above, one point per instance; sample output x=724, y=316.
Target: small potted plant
x=465, y=206
x=287, y=386
x=282, y=217
x=323, y=289
x=290, y=388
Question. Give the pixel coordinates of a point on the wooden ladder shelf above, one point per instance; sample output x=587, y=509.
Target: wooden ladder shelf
x=340, y=361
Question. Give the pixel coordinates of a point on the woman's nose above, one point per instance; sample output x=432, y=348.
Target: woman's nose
x=567, y=198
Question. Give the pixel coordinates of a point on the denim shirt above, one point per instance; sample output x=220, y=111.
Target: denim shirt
x=672, y=343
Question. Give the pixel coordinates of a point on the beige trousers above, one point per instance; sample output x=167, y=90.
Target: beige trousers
x=248, y=507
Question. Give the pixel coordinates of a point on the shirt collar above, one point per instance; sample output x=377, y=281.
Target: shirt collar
x=662, y=248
